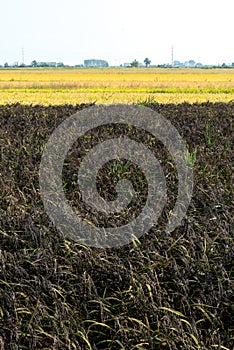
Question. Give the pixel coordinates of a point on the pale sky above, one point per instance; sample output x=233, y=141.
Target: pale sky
x=117, y=31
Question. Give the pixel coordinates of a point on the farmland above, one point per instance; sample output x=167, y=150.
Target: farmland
x=115, y=85
x=165, y=291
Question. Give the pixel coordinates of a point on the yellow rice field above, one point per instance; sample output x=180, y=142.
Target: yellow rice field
x=115, y=85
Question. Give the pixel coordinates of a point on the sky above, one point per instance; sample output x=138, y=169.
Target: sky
x=117, y=31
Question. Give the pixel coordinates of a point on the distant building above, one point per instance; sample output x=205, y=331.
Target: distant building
x=96, y=63
x=52, y=64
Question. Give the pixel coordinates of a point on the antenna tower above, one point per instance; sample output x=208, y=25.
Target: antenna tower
x=172, y=56
x=22, y=55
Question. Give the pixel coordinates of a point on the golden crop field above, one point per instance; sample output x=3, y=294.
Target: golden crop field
x=115, y=85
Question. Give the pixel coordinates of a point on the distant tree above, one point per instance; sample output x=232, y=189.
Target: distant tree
x=6, y=65
x=34, y=63
x=147, y=62
x=232, y=64
x=135, y=63
x=60, y=64
x=224, y=65
x=191, y=63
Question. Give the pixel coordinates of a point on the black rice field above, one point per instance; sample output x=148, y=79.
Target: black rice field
x=165, y=291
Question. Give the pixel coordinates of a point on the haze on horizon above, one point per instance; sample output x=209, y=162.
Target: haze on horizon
x=117, y=31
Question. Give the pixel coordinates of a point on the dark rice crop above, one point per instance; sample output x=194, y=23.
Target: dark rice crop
x=165, y=291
